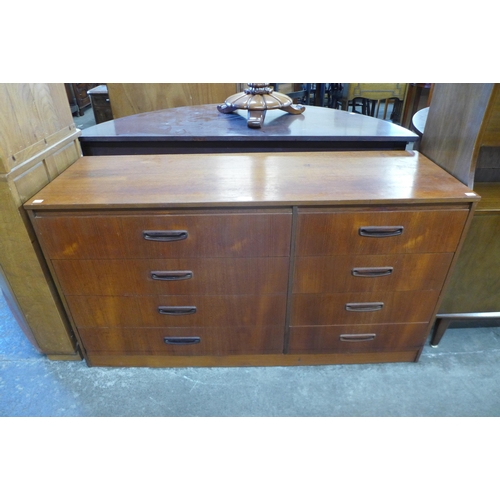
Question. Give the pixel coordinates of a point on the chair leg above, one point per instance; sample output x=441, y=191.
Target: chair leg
x=308, y=93
x=368, y=107
x=396, y=111
x=440, y=327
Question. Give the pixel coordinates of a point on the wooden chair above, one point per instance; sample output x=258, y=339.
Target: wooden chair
x=363, y=106
x=376, y=93
x=335, y=92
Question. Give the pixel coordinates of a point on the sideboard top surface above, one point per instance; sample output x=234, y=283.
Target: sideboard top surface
x=205, y=123
x=250, y=180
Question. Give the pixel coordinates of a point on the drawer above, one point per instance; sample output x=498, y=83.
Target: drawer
x=379, y=232
x=100, y=100
x=216, y=341
x=82, y=88
x=366, y=273
x=363, y=308
x=179, y=311
x=165, y=236
x=356, y=338
x=250, y=276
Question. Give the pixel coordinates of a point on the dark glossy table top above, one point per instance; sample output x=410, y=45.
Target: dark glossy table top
x=205, y=129
x=205, y=121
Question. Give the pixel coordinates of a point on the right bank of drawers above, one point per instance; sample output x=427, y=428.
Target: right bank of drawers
x=368, y=280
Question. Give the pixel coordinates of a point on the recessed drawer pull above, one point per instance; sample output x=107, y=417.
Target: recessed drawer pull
x=177, y=310
x=380, y=231
x=165, y=235
x=357, y=337
x=181, y=340
x=171, y=275
x=372, y=272
x=364, y=306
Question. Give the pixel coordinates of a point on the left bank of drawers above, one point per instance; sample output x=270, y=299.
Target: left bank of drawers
x=176, y=283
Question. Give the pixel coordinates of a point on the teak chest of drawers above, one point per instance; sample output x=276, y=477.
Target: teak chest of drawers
x=252, y=259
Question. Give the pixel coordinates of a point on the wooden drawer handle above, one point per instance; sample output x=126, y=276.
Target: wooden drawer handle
x=176, y=310
x=165, y=235
x=171, y=275
x=372, y=272
x=380, y=231
x=357, y=337
x=364, y=306
x=181, y=340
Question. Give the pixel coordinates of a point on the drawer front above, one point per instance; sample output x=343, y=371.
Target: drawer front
x=366, y=273
x=356, y=338
x=177, y=311
x=379, y=232
x=250, y=276
x=82, y=88
x=165, y=236
x=363, y=308
x=216, y=341
x=100, y=100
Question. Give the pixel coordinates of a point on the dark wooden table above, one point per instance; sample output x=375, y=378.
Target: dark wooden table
x=202, y=129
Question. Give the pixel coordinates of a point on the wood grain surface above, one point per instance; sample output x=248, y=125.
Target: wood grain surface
x=262, y=273
x=252, y=359
x=211, y=310
x=215, y=341
x=422, y=231
x=132, y=98
x=475, y=283
x=490, y=136
x=356, y=338
x=243, y=276
x=256, y=179
x=38, y=140
x=330, y=309
x=225, y=234
x=328, y=274
x=456, y=115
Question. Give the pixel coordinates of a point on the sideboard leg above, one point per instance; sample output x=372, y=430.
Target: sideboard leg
x=440, y=327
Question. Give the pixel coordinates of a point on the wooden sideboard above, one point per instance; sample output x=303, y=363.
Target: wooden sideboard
x=202, y=129
x=252, y=259
x=462, y=135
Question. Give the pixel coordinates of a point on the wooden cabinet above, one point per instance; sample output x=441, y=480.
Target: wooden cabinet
x=38, y=141
x=258, y=259
x=462, y=135
x=78, y=96
x=101, y=106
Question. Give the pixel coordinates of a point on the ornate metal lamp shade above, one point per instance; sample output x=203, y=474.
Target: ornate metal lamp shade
x=257, y=99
